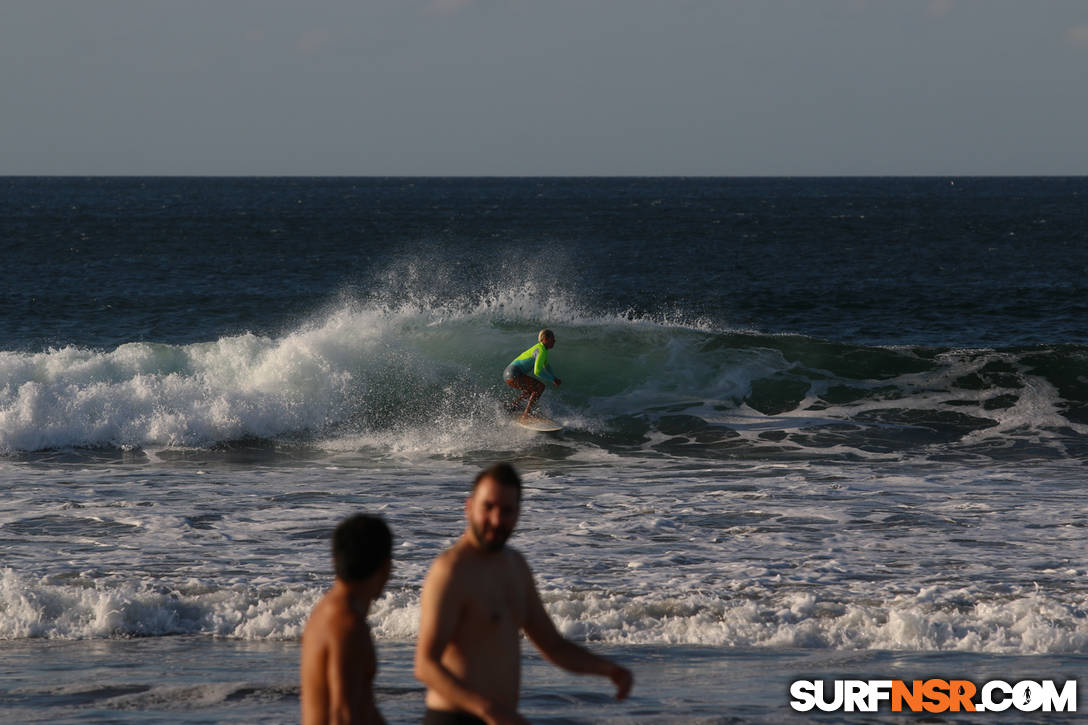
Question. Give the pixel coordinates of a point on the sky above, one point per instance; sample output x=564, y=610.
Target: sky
x=544, y=87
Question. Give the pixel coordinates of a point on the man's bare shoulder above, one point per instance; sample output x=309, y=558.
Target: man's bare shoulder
x=524, y=573
x=459, y=565
x=463, y=555
x=517, y=557
x=446, y=566
x=315, y=624
x=333, y=618
x=458, y=556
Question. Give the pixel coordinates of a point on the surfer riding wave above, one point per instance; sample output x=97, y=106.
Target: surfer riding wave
x=529, y=372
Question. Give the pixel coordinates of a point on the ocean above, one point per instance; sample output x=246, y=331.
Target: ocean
x=814, y=429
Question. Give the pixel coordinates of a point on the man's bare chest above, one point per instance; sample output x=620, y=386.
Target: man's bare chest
x=495, y=602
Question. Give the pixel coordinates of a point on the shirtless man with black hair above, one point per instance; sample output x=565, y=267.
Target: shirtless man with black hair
x=477, y=599
x=338, y=660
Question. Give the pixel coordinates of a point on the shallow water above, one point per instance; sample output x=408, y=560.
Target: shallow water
x=195, y=679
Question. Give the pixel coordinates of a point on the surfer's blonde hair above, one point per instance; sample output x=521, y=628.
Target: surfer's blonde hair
x=544, y=335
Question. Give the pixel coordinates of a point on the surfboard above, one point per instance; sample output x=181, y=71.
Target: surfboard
x=540, y=425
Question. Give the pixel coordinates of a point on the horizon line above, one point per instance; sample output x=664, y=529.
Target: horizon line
x=168, y=175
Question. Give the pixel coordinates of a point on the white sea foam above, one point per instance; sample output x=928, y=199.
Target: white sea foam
x=81, y=611
x=1026, y=622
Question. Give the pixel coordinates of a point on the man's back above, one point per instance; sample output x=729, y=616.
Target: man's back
x=338, y=664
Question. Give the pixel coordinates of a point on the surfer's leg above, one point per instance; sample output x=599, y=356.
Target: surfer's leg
x=513, y=383
x=534, y=394
x=529, y=388
x=516, y=380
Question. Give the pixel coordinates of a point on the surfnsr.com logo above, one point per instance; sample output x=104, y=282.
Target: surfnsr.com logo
x=933, y=695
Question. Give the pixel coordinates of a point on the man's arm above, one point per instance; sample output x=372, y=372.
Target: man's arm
x=351, y=669
x=561, y=651
x=440, y=607
x=314, y=686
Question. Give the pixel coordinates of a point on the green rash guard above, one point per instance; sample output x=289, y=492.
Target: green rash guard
x=534, y=362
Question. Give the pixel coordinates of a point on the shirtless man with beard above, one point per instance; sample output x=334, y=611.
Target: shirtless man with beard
x=477, y=598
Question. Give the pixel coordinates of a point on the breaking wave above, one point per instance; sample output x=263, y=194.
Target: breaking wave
x=419, y=374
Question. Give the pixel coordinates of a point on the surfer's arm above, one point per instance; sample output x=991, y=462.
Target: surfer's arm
x=546, y=375
x=541, y=369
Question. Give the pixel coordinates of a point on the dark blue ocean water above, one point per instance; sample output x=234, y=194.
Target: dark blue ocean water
x=833, y=427
x=967, y=262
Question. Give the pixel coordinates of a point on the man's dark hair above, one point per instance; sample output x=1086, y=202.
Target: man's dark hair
x=360, y=545
x=503, y=473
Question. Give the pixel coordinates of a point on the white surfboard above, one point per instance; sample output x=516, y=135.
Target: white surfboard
x=540, y=425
